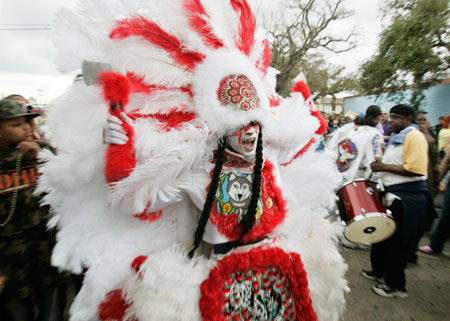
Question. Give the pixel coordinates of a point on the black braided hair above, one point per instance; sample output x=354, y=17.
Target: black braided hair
x=249, y=218
x=198, y=236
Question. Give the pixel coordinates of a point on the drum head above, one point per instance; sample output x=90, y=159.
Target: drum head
x=372, y=228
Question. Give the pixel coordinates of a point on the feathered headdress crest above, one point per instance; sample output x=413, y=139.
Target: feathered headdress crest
x=206, y=50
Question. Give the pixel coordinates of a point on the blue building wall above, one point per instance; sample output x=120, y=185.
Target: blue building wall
x=436, y=102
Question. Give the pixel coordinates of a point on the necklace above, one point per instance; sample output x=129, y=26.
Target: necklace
x=16, y=191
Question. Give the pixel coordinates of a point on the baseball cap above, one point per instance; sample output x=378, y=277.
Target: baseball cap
x=11, y=109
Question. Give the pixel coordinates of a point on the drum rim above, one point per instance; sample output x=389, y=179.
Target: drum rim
x=358, y=180
x=371, y=214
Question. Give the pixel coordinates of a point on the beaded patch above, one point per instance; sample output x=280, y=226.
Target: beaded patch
x=377, y=146
x=347, y=153
x=258, y=295
x=263, y=284
x=238, y=92
x=233, y=198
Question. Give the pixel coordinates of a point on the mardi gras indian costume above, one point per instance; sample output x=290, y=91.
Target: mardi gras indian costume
x=204, y=203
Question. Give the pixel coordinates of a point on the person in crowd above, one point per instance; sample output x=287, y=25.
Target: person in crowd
x=433, y=171
x=403, y=171
x=444, y=136
x=438, y=126
x=385, y=123
x=442, y=230
x=353, y=147
x=332, y=125
x=31, y=289
x=38, y=133
x=356, y=145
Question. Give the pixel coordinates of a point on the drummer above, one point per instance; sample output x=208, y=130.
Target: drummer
x=403, y=171
x=357, y=144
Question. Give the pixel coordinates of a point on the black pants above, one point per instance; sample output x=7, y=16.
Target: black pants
x=389, y=257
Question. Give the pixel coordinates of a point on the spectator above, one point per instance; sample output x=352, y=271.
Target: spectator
x=356, y=145
x=441, y=233
x=438, y=127
x=403, y=172
x=27, y=107
x=31, y=289
x=385, y=123
x=444, y=136
x=433, y=172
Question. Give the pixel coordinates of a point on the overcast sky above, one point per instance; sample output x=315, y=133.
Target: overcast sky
x=27, y=51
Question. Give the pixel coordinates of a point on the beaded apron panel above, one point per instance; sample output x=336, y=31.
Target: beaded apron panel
x=259, y=285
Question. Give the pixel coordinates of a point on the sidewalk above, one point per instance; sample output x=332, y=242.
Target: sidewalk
x=428, y=284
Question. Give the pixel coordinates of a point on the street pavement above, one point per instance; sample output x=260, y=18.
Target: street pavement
x=428, y=284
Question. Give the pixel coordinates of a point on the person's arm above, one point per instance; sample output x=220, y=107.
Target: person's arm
x=394, y=169
x=415, y=157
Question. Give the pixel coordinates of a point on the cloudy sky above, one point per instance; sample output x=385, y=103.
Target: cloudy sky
x=27, y=51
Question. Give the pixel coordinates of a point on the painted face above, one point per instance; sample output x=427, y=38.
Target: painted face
x=244, y=141
x=15, y=130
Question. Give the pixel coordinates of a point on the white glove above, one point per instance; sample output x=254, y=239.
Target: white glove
x=113, y=133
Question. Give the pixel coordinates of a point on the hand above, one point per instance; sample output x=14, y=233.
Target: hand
x=113, y=133
x=30, y=148
x=377, y=166
x=442, y=187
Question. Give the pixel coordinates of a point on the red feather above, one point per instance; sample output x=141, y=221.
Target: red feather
x=323, y=123
x=151, y=32
x=137, y=85
x=174, y=119
x=302, y=87
x=264, y=62
x=301, y=151
x=116, y=87
x=246, y=27
x=113, y=307
x=198, y=21
x=119, y=159
x=137, y=262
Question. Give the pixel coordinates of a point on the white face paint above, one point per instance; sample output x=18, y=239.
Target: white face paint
x=244, y=141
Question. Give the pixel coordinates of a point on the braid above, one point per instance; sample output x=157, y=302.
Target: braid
x=198, y=236
x=249, y=218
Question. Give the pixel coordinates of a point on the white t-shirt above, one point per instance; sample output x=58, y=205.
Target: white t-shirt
x=354, y=148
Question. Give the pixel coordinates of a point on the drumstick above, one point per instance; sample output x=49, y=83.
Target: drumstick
x=377, y=159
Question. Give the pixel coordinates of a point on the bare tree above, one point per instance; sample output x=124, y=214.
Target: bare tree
x=303, y=27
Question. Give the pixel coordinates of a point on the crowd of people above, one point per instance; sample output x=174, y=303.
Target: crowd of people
x=183, y=187
x=411, y=175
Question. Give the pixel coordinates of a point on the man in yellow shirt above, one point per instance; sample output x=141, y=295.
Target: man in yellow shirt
x=403, y=171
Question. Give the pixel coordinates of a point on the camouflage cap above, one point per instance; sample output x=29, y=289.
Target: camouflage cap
x=11, y=109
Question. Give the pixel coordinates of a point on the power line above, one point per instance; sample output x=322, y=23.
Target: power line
x=28, y=29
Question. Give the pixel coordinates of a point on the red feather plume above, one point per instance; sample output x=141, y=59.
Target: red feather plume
x=246, y=27
x=151, y=32
x=119, y=159
x=198, y=21
x=264, y=62
x=302, y=87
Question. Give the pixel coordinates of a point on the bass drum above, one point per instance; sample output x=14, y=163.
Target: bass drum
x=361, y=208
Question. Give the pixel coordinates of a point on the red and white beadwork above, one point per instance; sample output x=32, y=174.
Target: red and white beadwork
x=258, y=295
x=238, y=92
x=267, y=284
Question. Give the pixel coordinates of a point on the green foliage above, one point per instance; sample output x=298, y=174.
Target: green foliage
x=413, y=49
x=326, y=79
